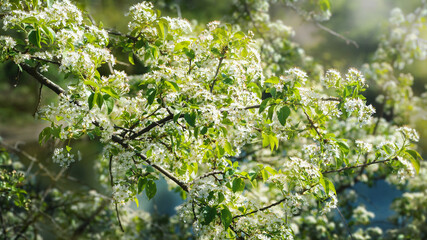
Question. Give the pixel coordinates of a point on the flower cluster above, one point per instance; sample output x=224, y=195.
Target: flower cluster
x=64, y=157
x=357, y=106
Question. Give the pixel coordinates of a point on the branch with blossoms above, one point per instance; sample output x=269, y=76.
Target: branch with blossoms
x=58, y=90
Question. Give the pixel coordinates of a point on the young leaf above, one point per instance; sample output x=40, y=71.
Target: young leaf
x=327, y=185
x=265, y=140
x=108, y=90
x=130, y=57
x=229, y=149
x=415, y=159
x=136, y=201
x=274, y=141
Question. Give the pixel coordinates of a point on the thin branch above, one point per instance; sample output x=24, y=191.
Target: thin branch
x=115, y=33
x=152, y=125
x=331, y=99
x=269, y=206
x=261, y=209
x=42, y=79
x=252, y=107
x=205, y=176
x=332, y=32
x=319, y=25
x=313, y=126
x=345, y=223
x=357, y=166
x=165, y=172
x=216, y=73
x=46, y=60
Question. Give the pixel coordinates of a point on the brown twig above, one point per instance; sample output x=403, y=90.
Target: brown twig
x=153, y=125
x=205, y=176
x=357, y=166
x=42, y=79
x=216, y=73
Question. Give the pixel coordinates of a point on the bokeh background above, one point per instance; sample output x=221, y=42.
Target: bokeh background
x=363, y=21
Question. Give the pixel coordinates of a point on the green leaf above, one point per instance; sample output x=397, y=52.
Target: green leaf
x=29, y=20
x=68, y=148
x=229, y=149
x=226, y=217
x=190, y=118
x=324, y=5
x=176, y=116
x=99, y=99
x=142, y=182
x=161, y=29
x=270, y=112
x=181, y=45
x=273, y=80
x=45, y=135
x=239, y=35
x=149, y=152
x=92, y=84
x=271, y=170
x=108, y=90
x=283, y=114
x=35, y=38
x=92, y=100
x=172, y=85
x=221, y=197
x=263, y=105
x=136, y=201
x=151, y=95
x=209, y=214
x=109, y=102
x=327, y=185
x=274, y=142
x=204, y=130
x=130, y=57
x=415, y=159
x=264, y=175
x=49, y=33
x=150, y=189
x=190, y=53
x=265, y=140
x=344, y=147
x=238, y=185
